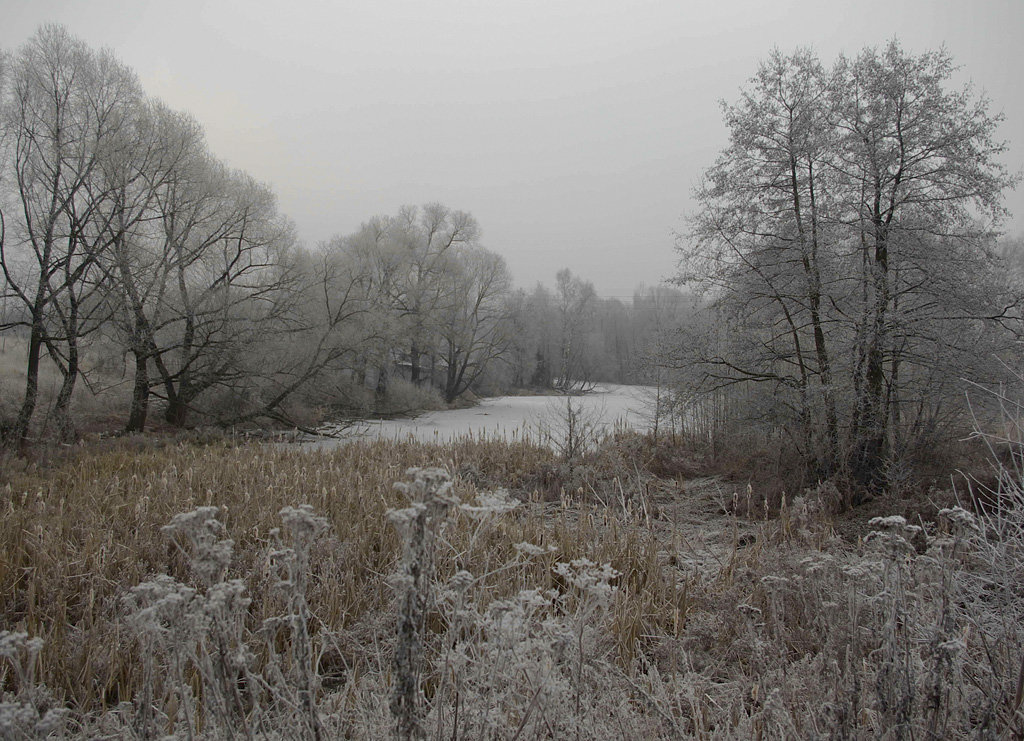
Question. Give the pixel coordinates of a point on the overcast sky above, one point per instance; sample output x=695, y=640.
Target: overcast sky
x=573, y=130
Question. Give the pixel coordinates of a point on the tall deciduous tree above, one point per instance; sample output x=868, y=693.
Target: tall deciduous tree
x=425, y=238
x=924, y=183
x=225, y=242
x=154, y=148
x=845, y=229
x=575, y=301
x=63, y=114
x=473, y=325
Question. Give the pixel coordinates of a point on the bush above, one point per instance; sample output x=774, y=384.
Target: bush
x=406, y=397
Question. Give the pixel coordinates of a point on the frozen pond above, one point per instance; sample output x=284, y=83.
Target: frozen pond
x=512, y=417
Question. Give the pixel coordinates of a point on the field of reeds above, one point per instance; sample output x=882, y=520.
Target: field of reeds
x=205, y=589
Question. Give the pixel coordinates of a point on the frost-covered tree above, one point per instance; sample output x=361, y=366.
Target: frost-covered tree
x=845, y=239
x=62, y=116
x=473, y=326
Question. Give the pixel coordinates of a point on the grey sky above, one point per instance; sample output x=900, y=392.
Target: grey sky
x=574, y=131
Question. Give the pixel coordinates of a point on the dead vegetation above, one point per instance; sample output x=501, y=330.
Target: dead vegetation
x=213, y=590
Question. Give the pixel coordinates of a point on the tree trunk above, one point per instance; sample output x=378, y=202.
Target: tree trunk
x=62, y=407
x=140, y=394
x=380, y=392
x=414, y=360
x=872, y=415
x=177, y=411
x=827, y=459
x=28, y=404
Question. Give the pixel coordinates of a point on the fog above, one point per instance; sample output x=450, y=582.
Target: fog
x=573, y=131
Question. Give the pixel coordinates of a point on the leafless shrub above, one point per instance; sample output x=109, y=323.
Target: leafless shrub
x=570, y=428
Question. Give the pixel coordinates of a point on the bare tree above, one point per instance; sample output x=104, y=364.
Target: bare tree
x=331, y=326
x=840, y=240
x=658, y=313
x=919, y=161
x=226, y=288
x=472, y=326
x=541, y=337
x=378, y=256
x=63, y=114
x=154, y=147
x=425, y=238
x=575, y=300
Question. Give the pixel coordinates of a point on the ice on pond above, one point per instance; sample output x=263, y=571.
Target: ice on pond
x=513, y=417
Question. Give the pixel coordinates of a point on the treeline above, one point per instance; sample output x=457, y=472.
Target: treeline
x=442, y=314
x=134, y=259
x=568, y=338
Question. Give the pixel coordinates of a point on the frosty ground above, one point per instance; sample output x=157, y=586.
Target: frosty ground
x=188, y=588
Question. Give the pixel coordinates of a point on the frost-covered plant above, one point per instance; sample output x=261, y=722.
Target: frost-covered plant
x=522, y=661
x=429, y=492
x=290, y=560
x=530, y=660
x=162, y=614
x=988, y=599
x=896, y=680
x=197, y=534
x=24, y=714
x=203, y=631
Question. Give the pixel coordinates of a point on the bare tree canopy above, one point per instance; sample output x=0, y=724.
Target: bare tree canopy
x=845, y=239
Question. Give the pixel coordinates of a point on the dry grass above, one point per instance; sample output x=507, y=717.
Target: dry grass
x=76, y=536
x=795, y=632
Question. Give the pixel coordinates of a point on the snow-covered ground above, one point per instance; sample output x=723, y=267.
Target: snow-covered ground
x=511, y=417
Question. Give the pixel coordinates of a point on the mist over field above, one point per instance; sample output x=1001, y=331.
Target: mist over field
x=541, y=371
